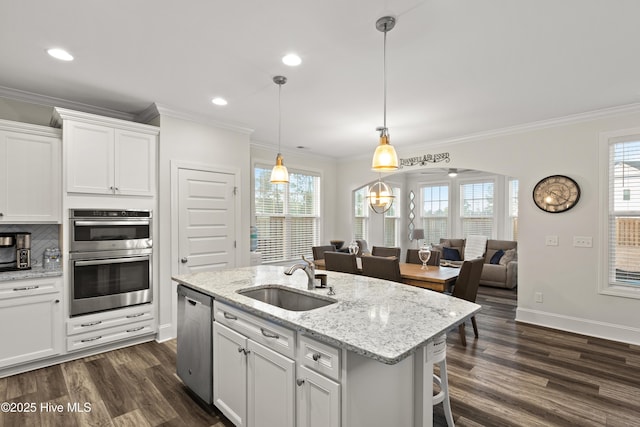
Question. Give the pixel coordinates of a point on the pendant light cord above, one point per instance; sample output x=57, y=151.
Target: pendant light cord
x=279, y=114
x=384, y=76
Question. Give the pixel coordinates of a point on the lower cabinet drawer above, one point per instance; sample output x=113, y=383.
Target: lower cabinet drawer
x=262, y=331
x=320, y=357
x=110, y=319
x=109, y=335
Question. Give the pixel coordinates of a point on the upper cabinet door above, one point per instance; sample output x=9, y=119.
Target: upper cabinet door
x=90, y=158
x=30, y=177
x=135, y=159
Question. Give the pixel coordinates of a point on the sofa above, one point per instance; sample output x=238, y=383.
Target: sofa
x=499, y=269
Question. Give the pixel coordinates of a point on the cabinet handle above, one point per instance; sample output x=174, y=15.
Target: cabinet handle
x=57, y=301
x=299, y=382
x=184, y=260
x=229, y=316
x=316, y=356
x=269, y=334
x=131, y=316
x=243, y=350
x=136, y=329
x=1, y=214
x=26, y=288
x=90, y=323
x=91, y=339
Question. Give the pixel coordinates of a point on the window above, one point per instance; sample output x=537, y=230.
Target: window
x=513, y=208
x=360, y=214
x=624, y=214
x=476, y=208
x=435, y=212
x=392, y=220
x=287, y=216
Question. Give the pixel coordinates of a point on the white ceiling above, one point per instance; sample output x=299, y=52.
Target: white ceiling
x=455, y=67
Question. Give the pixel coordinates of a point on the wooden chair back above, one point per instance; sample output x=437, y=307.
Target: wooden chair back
x=381, y=268
x=340, y=261
x=468, y=280
x=318, y=251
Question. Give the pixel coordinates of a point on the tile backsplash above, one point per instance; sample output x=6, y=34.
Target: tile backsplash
x=43, y=236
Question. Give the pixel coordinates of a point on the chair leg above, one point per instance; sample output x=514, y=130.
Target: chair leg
x=463, y=337
x=444, y=384
x=475, y=326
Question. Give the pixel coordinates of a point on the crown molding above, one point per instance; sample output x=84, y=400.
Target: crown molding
x=162, y=110
x=29, y=128
x=50, y=101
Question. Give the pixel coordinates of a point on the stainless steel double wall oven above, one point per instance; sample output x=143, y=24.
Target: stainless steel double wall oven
x=110, y=256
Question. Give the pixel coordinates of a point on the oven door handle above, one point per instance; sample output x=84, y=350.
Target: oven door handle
x=109, y=223
x=110, y=261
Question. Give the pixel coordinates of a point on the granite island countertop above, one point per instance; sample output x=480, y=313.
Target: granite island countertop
x=383, y=320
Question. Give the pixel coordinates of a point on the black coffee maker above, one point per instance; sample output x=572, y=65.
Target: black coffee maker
x=15, y=251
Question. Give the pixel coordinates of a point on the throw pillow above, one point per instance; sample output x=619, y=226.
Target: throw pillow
x=508, y=256
x=451, y=254
x=495, y=259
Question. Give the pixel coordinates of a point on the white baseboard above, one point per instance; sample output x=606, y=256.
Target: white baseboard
x=166, y=332
x=609, y=331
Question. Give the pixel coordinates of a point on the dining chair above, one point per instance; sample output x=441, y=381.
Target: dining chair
x=413, y=258
x=363, y=249
x=318, y=251
x=340, y=261
x=385, y=251
x=381, y=267
x=466, y=288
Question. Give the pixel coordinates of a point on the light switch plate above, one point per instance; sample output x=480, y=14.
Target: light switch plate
x=582, y=241
x=551, y=240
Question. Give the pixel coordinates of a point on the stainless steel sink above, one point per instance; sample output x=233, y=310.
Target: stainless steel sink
x=286, y=298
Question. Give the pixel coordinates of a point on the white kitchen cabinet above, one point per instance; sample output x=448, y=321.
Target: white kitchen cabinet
x=30, y=182
x=254, y=385
x=108, y=156
x=318, y=399
x=31, y=319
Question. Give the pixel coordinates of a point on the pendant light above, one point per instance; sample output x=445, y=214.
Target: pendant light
x=279, y=173
x=385, y=158
x=380, y=197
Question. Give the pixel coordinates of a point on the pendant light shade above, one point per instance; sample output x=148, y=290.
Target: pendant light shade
x=380, y=197
x=279, y=173
x=385, y=158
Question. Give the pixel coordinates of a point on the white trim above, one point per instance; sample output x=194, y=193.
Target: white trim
x=61, y=114
x=29, y=128
x=603, y=286
x=167, y=332
x=163, y=110
x=50, y=101
x=608, y=331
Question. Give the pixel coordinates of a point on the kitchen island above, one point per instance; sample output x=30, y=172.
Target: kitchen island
x=372, y=344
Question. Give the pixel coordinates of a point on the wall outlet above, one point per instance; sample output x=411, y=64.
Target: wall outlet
x=551, y=240
x=582, y=241
x=538, y=296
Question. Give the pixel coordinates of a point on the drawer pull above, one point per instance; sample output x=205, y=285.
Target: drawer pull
x=139, y=328
x=299, y=382
x=131, y=316
x=84, y=325
x=316, y=356
x=26, y=288
x=91, y=339
x=269, y=334
x=229, y=316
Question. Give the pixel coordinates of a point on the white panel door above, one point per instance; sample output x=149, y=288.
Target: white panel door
x=135, y=160
x=90, y=158
x=270, y=388
x=206, y=220
x=230, y=373
x=318, y=400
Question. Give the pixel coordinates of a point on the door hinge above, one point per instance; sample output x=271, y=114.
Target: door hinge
x=235, y=190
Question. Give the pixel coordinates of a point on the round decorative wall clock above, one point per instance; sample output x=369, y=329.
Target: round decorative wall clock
x=556, y=193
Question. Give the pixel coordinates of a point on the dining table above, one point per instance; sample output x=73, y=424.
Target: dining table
x=434, y=277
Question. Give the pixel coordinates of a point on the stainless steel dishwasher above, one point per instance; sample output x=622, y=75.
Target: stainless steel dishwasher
x=195, y=342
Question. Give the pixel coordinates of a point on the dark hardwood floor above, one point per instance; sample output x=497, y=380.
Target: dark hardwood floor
x=513, y=375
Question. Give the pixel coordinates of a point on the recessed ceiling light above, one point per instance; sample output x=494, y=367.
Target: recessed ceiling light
x=60, y=54
x=292, y=60
x=219, y=101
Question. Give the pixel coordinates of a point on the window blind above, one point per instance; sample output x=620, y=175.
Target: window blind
x=287, y=216
x=476, y=208
x=435, y=212
x=360, y=223
x=624, y=213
